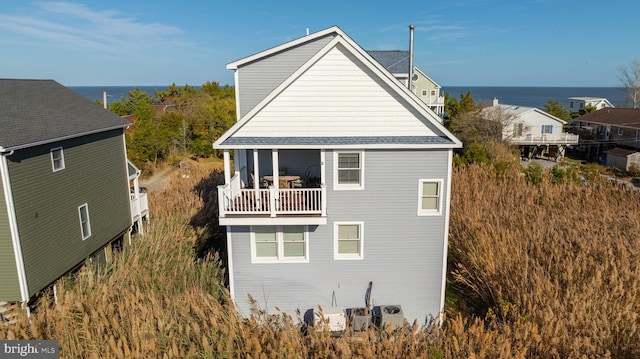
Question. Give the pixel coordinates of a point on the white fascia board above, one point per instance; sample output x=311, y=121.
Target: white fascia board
x=544, y=113
x=353, y=146
x=235, y=64
x=272, y=221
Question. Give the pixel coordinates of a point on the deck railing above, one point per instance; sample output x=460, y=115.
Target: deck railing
x=564, y=138
x=139, y=206
x=271, y=201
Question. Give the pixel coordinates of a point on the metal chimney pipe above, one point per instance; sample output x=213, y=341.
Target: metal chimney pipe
x=410, y=80
x=104, y=99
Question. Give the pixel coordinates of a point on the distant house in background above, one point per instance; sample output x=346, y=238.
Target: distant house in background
x=428, y=91
x=578, y=103
x=623, y=158
x=607, y=128
x=64, y=184
x=536, y=132
x=397, y=62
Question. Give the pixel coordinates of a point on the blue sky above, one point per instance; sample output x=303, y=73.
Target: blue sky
x=457, y=42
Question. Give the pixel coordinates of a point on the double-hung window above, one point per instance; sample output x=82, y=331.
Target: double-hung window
x=275, y=244
x=348, y=170
x=85, y=224
x=547, y=129
x=57, y=159
x=429, y=197
x=348, y=240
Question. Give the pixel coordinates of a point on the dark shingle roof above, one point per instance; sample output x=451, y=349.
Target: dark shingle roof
x=395, y=61
x=330, y=141
x=620, y=152
x=42, y=111
x=624, y=117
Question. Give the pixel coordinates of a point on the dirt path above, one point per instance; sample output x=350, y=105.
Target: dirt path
x=159, y=179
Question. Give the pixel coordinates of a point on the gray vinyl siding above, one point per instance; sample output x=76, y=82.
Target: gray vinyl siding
x=9, y=285
x=258, y=79
x=403, y=252
x=46, y=203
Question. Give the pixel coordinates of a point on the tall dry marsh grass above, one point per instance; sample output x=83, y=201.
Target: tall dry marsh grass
x=548, y=271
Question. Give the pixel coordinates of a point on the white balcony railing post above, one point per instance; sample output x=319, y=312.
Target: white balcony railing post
x=222, y=203
x=272, y=201
x=323, y=200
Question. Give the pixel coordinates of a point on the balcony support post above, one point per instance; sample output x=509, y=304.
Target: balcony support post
x=227, y=166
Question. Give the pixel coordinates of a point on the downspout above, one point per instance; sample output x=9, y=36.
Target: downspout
x=410, y=80
x=13, y=225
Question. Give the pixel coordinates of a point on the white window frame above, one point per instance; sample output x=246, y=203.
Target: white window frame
x=84, y=233
x=53, y=151
x=280, y=258
x=620, y=131
x=340, y=256
x=347, y=186
x=424, y=92
x=429, y=211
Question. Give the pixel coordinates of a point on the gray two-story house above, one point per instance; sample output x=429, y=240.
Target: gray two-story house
x=340, y=185
x=64, y=184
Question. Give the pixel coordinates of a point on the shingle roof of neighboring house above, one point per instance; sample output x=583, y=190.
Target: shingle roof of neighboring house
x=620, y=152
x=518, y=111
x=395, y=61
x=34, y=112
x=622, y=117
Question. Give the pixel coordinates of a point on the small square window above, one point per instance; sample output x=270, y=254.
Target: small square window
x=57, y=159
x=424, y=92
x=349, y=170
x=85, y=223
x=429, y=197
x=348, y=240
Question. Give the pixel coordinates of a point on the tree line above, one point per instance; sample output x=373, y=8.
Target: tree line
x=175, y=122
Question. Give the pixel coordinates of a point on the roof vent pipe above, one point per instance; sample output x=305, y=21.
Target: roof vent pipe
x=410, y=79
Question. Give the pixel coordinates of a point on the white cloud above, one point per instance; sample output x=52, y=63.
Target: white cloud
x=73, y=25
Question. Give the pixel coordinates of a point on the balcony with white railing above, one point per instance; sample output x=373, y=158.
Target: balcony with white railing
x=139, y=206
x=546, y=139
x=251, y=206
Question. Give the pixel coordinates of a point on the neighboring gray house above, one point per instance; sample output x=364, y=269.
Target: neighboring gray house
x=64, y=184
x=341, y=178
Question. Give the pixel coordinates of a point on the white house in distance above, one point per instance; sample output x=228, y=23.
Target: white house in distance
x=533, y=130
x=340, y=187
x=578, y=103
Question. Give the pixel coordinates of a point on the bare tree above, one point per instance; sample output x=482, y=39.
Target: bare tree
x=629, y=77
x=487, y=124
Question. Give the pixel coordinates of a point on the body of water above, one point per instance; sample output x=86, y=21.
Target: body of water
x=536, y=96
x=523, y=96
x=114, y=93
